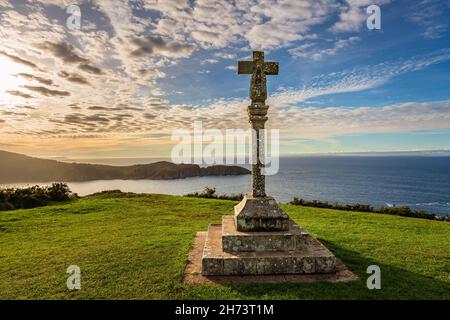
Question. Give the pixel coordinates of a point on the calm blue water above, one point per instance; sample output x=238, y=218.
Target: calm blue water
x=422, y=183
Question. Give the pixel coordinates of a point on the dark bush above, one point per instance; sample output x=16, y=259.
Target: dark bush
x=59, y=192
x=4, y=203
x=35, y=196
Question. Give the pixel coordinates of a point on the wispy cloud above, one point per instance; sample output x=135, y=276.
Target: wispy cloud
x=353, y=15
x=425, y=14
x=358, y=79
x=435, y=32
x=46, y=91
x=36, y=78
x=310, y=51
x=19, y=60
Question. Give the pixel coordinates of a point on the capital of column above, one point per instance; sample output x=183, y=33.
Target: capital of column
x=257, y=115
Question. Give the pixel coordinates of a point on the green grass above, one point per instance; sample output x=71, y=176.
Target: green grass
x=135, y=247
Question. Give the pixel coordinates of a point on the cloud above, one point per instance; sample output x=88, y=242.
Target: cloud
x=353, y=15
x=152, y=73
x=425, y=14
x=209, y=61
x=225, y=55
x=90, y=69
x=300, y=50
x=19, y=94
x=90, y=120
x=331, y=122
x=208, y=23
x=76, y=78
x=36, y=78
x=150, y=116
x=121, y=18
x=47, y=92
x=12, y=113
x=67, y=53
x=121, y=117
x=25, y=107
x=435, y=32
x=316, y=122
x=231, y=67
x=357, y=79
x=19, y=60
x=156, y=45
x=306, y=51
x=285, y=22
x=64, y=51
x=262, y=24
x=119, y=108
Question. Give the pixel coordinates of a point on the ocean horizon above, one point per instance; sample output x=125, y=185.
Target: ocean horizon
x=419, y=182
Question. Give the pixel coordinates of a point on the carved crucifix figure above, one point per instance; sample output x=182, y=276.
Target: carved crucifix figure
x=258, y=68
x=257, y=111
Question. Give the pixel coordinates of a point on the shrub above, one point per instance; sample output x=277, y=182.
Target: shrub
x=35, y=196
x=210, y=193
x=59, y=192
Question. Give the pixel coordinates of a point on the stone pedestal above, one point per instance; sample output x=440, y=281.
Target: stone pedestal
x=260, y=214
x=275, y=244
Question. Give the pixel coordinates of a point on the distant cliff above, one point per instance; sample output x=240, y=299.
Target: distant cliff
x=20, y=168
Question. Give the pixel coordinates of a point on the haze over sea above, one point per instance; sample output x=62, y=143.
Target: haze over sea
x=420, y=182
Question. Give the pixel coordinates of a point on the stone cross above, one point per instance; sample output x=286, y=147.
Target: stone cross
x=257, y=112
x=258, y=68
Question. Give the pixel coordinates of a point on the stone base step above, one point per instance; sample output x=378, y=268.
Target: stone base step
x=315, y=258
x=234, y=241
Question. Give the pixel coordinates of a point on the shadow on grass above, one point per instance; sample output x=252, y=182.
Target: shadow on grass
x=396, y=283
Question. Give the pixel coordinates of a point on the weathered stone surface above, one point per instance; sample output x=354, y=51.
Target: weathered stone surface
x=258, y=68
x=325, y=264
x=315, y=258
x=260, y=214
x=240, y=241
x=193, y=272
x=257, y=111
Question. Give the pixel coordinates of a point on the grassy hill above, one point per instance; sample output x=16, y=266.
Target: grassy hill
x=20, y=168
x=136, y=246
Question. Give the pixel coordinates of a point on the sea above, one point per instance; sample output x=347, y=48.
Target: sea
x=419, y=182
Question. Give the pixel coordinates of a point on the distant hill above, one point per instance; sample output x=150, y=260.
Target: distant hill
x=16, y=167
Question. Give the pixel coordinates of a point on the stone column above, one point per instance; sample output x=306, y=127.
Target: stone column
x=257, y=117
x=257, y=211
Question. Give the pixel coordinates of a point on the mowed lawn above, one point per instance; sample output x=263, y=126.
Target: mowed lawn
x=135, y=247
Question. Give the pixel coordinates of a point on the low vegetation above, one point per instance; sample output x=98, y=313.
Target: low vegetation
x=397, y=211
x=210, y=193
x=136, y=247
x=35, y=196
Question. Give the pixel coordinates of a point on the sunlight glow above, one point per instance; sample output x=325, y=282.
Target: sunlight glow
x=10, y=81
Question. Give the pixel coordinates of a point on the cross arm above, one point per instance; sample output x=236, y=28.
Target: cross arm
x=245, y=67
x=271, y=68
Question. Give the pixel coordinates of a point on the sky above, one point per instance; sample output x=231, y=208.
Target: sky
x=137, y=70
